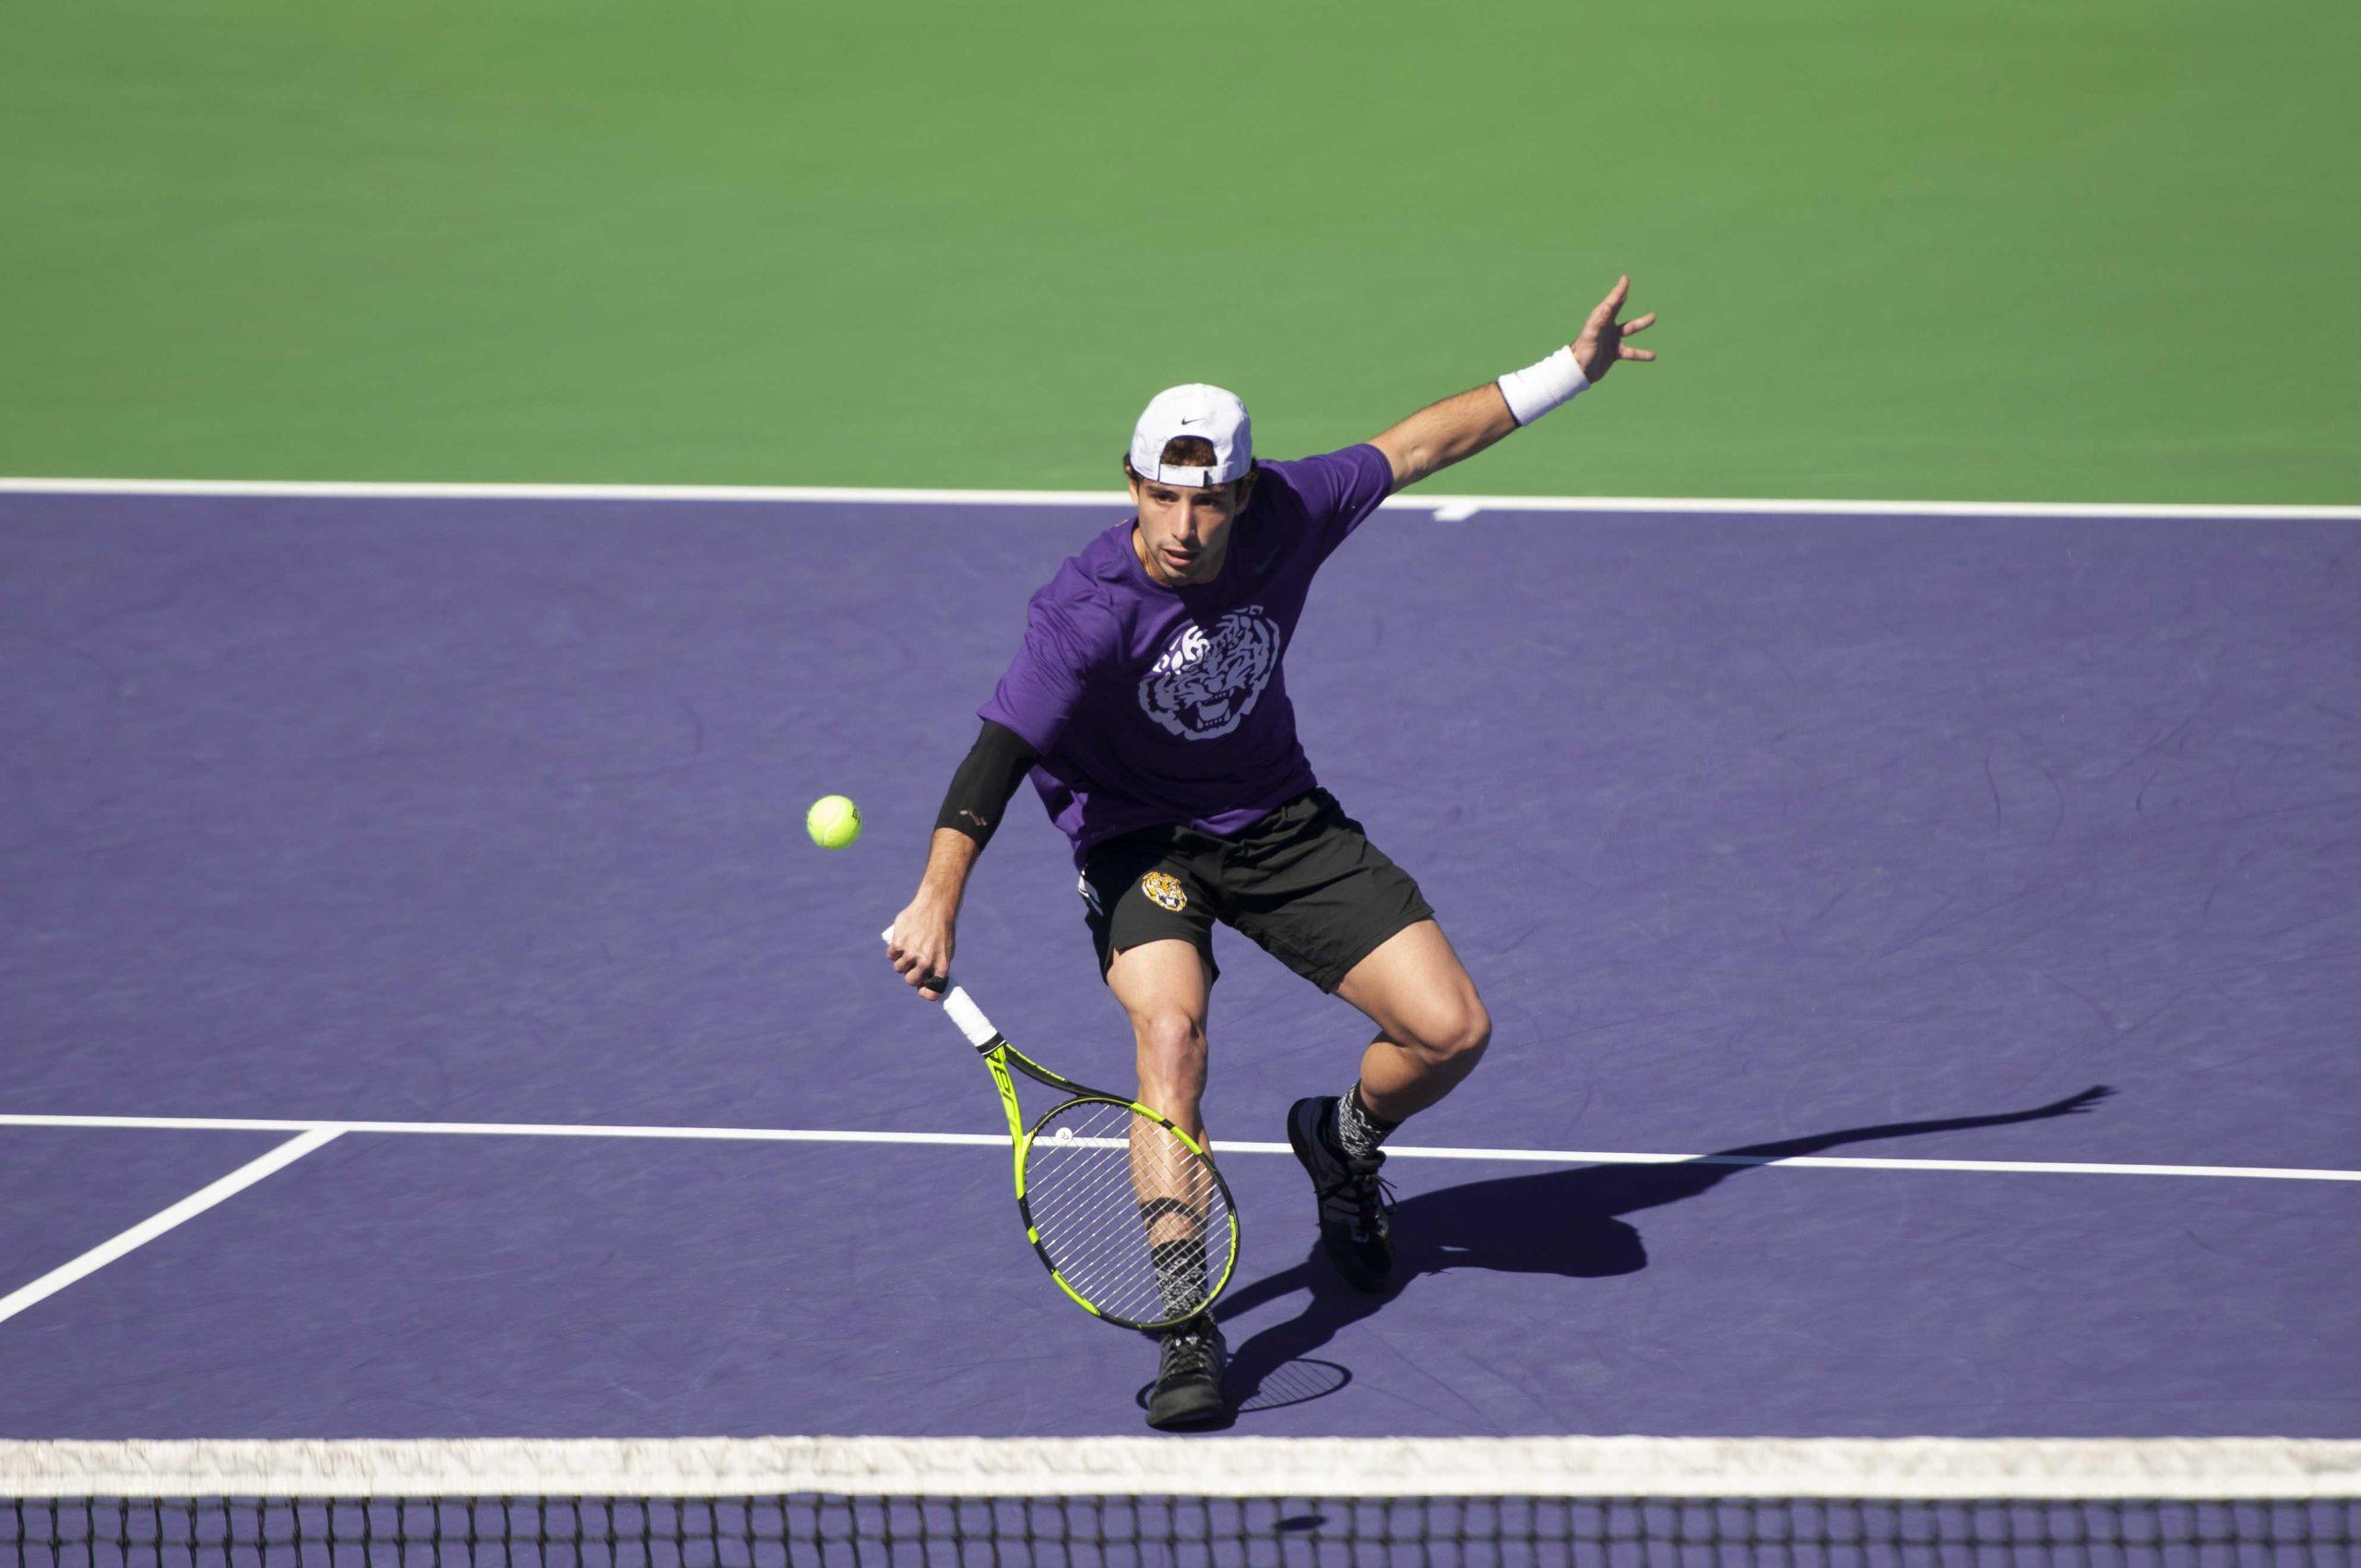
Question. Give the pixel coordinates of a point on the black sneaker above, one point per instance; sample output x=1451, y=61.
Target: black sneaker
x=1356, y=1218
x=1188, y=1376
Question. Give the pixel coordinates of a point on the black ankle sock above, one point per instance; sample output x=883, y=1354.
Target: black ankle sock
x=1179, y=1273
x=1358, y=1129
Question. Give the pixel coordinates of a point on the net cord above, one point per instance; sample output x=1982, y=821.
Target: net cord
x=1927, y=1468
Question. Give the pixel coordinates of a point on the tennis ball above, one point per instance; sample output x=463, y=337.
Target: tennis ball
x=834, y=822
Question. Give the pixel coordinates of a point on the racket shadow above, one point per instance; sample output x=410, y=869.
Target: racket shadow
x=1564, y=1222
x=1298, y=1380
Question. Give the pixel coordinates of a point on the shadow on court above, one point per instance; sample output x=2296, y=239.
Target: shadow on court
x=1563, y=1222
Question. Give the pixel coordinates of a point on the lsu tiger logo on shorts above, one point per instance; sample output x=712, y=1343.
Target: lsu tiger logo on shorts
x=1164, y=890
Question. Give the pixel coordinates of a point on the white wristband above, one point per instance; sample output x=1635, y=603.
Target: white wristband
x=1537, y=389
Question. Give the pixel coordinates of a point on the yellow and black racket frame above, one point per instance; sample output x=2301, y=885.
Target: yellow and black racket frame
x=999, y=1058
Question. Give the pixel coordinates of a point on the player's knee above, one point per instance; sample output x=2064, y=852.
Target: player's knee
x=1471, y=1032
x=1171, y=1050
x=1455, y=1035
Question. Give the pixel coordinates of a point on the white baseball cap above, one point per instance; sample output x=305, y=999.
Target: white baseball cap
x=1194, y=410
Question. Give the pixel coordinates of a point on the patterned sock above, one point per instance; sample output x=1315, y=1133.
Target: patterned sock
x=1360, y=1131
x=1180, y=1274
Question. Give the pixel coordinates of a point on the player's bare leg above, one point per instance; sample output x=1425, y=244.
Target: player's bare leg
x=1431, y=1026
x=1165, y=991
x=1432, y=1030
x=1164, y=988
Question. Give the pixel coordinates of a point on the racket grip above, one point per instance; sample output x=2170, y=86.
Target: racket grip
x=971, y=1018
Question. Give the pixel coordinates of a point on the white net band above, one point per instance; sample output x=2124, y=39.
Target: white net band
x=2212, y=1468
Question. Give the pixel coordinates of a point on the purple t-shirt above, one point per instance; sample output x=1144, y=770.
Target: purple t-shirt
x=1152, y=705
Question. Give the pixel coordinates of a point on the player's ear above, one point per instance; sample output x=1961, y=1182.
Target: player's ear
x=1246, y=486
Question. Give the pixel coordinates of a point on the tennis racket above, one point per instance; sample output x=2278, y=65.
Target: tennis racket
x=1125, y=1209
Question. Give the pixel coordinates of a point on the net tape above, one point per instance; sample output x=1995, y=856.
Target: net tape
x=2065, y=1468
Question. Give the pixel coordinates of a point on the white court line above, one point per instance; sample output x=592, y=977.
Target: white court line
x=155, y=1224
x=1446, y=508
x=1224, y=1145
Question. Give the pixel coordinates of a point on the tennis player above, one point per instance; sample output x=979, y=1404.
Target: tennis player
x=1149, y=706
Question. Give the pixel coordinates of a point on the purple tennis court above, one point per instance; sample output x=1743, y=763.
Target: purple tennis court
x=1981, y=896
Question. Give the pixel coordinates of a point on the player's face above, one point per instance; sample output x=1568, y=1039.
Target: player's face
x=1184, y=530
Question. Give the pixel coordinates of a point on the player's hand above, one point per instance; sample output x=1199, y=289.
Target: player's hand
x=1601, y=343
x=919, y=944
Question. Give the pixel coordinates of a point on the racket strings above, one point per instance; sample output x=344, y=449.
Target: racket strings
x=1092, y=1197
x=1131, y=1218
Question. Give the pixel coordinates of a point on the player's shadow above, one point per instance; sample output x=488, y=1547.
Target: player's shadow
x=1563, y=1222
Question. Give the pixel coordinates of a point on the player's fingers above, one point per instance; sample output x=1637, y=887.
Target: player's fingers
x=1604, y=312
x=1640, y=325
x=1633, y=354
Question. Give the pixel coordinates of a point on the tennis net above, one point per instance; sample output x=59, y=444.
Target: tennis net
x=1612, y=1503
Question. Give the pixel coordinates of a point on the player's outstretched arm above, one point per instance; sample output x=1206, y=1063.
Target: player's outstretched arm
x=925, y=932
x=1458, y=428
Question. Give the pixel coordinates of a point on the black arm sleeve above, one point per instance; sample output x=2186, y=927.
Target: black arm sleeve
x=980, y=790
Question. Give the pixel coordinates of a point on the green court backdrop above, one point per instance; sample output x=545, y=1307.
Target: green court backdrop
x=2103, y=250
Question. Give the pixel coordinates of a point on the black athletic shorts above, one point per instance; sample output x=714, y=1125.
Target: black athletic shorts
x=1303, y=882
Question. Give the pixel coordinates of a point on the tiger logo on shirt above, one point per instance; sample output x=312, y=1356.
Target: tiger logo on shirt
x=1208, y=682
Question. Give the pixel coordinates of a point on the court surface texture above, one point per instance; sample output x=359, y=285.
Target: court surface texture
x=1925, y=952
